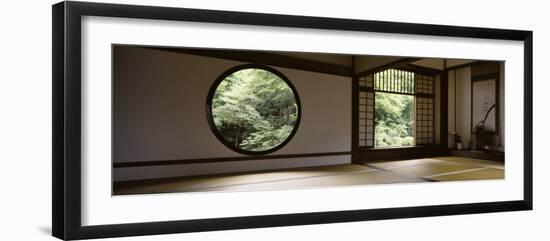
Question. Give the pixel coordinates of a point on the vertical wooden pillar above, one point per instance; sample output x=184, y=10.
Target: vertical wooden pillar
x=444, y=114
x=354, y=113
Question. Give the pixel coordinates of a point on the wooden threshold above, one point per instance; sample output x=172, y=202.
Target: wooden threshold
x=491, y=156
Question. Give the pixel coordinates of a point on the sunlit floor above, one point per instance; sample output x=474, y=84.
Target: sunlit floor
x=407, y=171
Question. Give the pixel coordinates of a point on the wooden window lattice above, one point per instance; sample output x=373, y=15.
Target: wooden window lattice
x=397, y=82
x=366, y=111
x=424, y=107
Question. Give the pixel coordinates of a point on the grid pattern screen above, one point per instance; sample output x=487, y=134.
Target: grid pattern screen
x=396, y=81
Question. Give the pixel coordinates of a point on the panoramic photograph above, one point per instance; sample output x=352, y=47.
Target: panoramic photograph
x=190, y=120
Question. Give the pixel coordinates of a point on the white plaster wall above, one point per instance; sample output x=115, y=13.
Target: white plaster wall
x=160, y=114
x=461, y=109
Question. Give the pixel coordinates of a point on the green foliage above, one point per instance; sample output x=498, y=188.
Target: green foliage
x=393, y=120
x=254, y=109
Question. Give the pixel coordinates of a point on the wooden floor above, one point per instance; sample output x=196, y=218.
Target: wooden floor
x=407, y=171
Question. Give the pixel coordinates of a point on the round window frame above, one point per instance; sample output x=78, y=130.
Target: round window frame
x=214, y=128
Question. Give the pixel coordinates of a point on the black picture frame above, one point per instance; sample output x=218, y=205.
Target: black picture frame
x=66, y=75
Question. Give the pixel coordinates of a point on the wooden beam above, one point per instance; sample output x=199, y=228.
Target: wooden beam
x=223, y=159
x=265, y=58
x=460, y=66
x=367, y=155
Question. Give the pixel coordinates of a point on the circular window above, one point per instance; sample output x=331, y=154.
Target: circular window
x=253, y=109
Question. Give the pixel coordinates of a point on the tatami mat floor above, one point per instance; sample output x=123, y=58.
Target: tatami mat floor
x=407, y=171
